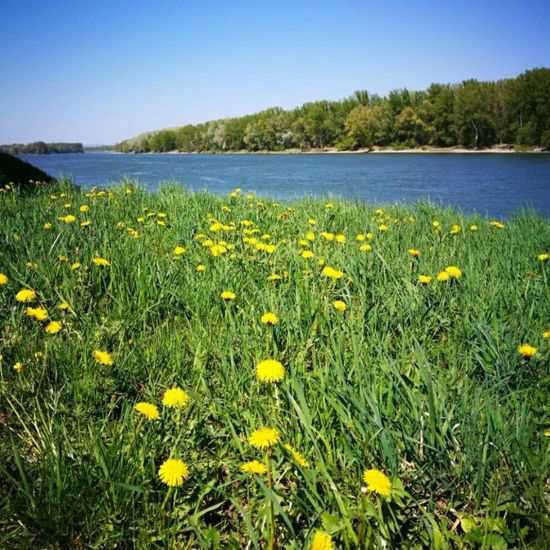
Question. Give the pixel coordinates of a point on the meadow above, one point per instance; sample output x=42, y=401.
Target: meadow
x=185, y=370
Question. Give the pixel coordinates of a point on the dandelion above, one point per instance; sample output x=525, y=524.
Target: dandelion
x=498, y=225
x=473, y=227
x=436, y=225
x=254, y=467
x=173, y=472
x=69, y=218
x=377, y=482
x=383, y=227
x=340, y=238
x=175, y=398
x=332, y=273
x=38, y=313
x=85, y=223
x=546, y=334
x=102, y=262
x=47, y=226
x=298, y=458
x=84, y=208
x=311, y=221
x=263, y=438
x=3, y=279
x=201, y=268
x=527, y=351
x=25, y=295
x=17, y=367
x=339, y=305
x=274, y=277
x=543, y=257
x=227, y=295
x=62, y=258
x=413, y=252
x=365, y=247
x=53, y=327
x=455, y=229
x=453, y=272
x=321, y=541
x=424, y=279
x=310, y=236
x=63, y=306
x=75, y=266
x=307, y=254
x=269, y=318
x=102, y=357
x=270, y=370
x=179, y=250
x=443, y=276
x=148, y=410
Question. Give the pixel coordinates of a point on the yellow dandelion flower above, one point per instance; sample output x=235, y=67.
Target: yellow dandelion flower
x=69, y=218
x=527, y=351
x=311, y=221
x=18, y=367
x=361, y=237
x=332, y=273
x=340, y=238
x=84, y=208
x=274, y=277
x=547, y=433
x=179, y=250
x=365, y=247
x=62, y=258
x=424, y=279
x=414, y=252
x=173, y=472
x=377, y=482
x=436, y=225
x=102, y=357
x=102, y=262
x=201, y=268
x=269, y=318
x=254, y=467
x=32, y=265
x=75, y=266
x=3, y=279
x=329, y=205
x=546, y=334
x=53, y=327
x=217, y=249
x=227, y=295
x=148, y=410
x=25, y=295
x=270, y=370
x=339, y=305
x=307, y=254
x=443, y=276
x=85, y=223
x=47, y=226
x=473, y=227
x=298, y=458
x=38, y=313
x=263, y=438
x=321, y=541
x=175, y=398
x=310, y=236
x=543, y=257
x=455, y=229
x=383, y=227
x=497, y=224
x=63, y=306
x=454, y=272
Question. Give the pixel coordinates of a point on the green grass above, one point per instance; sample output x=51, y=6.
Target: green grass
x=424, y=383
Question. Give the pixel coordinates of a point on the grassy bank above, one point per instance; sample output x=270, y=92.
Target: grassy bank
x=412, y=419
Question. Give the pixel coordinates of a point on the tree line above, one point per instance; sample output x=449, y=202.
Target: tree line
x=470, y=114
x=41, y=148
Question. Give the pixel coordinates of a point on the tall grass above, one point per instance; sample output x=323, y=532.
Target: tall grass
x=422, y=382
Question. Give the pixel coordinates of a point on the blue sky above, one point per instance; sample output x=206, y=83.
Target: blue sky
x=101, y=71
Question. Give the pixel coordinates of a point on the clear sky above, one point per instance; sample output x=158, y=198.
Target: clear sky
x=101, y=71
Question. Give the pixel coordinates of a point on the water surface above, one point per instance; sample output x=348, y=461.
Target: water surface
x=493, y=184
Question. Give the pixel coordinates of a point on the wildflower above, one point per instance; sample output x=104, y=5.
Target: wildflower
x=3, y=279
x=274, y=277
x=69, y=218
x=329, y=205
x=310, y=236
x=413, y=252
x=327, y=236
x=175, y=398
x=455, y=229
x=47, y=226
x=75, y=266
x=365, y=247
x=270, y=370
x=63, y=306
x=53, y=327
x=307, y=254
x=453, y=272
x=543, y=257
x=269, y=318
x=38, y=313
x=102, y=357
x=377, y=482
x=84, y=208
x=201, y=268
x=25, y=295
x=17, y=367
x=498, y=225
x=62, y=258
x=547, y=433
x=436, y=225
x=179, y=250
x=339, y=305
x=383, y=227
x=340, y=238
x=31, y=265
x=101, y=262
x=546, y=334
x=321, y=541
x=473, y=227
x=332, y=273
x=148, y=410
x=443, y=276
x=173, y=472
x=264, y=438
x=311, y=221
x=424, y=279
x=298, y=458
x=254, y=467
x=85, y=223
x=218, y=249
x=527, y=351
x=227, y=295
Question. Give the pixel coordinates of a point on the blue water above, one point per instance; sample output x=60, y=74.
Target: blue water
x=493, y=184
